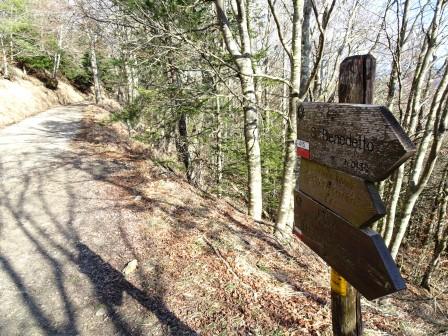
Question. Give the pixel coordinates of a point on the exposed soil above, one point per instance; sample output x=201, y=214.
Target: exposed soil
x=77, y=207
x=25, y=95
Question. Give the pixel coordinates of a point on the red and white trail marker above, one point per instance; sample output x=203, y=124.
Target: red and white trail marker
x=303, y=149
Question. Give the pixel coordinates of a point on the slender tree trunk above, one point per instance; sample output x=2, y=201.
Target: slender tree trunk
x=391, y=213
x=422, y=172
x=11, y=48
x=219, y=153
x=396, y=56
x=131, y=77
x=435, y=259
x=242, y=58
x=57, y=56
x=410, y=119
x=284, y=223
x=441, y=194
x=284, y=102
x=95, y=71
x=425, y=57
x=57, y=64
x=5, y=69
x=128, y=75
x=183, y=148
x=306, y=47
x=378, y=225
x=441, y=236
x=251, y=135
x=389, y=221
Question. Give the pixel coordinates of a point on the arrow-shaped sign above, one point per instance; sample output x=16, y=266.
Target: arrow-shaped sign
x=355, y=200
x=362, y=140
x=360, y=256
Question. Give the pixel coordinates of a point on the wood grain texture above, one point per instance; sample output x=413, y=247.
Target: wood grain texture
x=355, y=200
x=360, y=256
x=361, y=140
x=356, y=79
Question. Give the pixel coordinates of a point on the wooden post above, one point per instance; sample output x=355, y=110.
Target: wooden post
x=356, y=77
x=345, y=307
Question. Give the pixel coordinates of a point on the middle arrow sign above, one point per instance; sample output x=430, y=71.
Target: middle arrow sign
x=352, y=198
x=362, y=140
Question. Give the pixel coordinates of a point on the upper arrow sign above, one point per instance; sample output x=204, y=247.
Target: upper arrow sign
x=362, y=140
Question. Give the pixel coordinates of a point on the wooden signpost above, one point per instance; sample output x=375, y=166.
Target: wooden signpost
x=344, y=148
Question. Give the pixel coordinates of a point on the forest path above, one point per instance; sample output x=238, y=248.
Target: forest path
x=59, y=221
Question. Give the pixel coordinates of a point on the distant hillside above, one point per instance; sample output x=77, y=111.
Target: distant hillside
x=25, y=95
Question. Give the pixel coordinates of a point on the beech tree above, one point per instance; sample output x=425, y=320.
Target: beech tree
x=242, y=56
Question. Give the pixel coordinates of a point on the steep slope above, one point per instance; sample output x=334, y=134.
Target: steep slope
x=221, y=273
x=26, y=95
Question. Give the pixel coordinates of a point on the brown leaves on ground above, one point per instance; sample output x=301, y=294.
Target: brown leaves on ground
x=218, y=271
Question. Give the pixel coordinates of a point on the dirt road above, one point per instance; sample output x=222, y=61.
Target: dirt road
x=62, y=242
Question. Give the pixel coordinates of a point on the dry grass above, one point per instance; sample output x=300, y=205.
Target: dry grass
x=223, y=274
x=26, y=96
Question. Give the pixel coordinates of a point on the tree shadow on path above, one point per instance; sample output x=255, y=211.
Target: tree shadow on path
x=42, y=223
x=110, y=286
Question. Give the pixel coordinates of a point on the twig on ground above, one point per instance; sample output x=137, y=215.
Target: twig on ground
x=218, y=253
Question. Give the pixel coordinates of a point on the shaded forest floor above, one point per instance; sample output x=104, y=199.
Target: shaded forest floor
x=218, y=271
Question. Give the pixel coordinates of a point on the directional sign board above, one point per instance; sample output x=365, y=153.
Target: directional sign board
x=361, y=140
x=360, y=256
x=352, y=198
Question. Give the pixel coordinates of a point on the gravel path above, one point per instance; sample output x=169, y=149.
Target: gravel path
x=63, y=238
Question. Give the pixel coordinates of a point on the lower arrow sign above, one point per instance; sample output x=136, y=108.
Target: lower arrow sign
x=360, y=256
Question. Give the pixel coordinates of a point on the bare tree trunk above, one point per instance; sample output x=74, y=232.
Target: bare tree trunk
x=422, y=172
x=441, y=236
x=389, y=222
x=127, y=71
x=95, y=71
x=284, y=218
x=306, y=47
x=242, y=58
x=284, y=101
x=378, y=226
x=396, y=56
x=131, y=77
x=219, y=153
x=436, y=208
x=425, y=57
x=410, y=119
x=57, y=56
x=391, y=213
x=251, y=134
x=5, y=69
x=182, y=145
x=11, y=48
